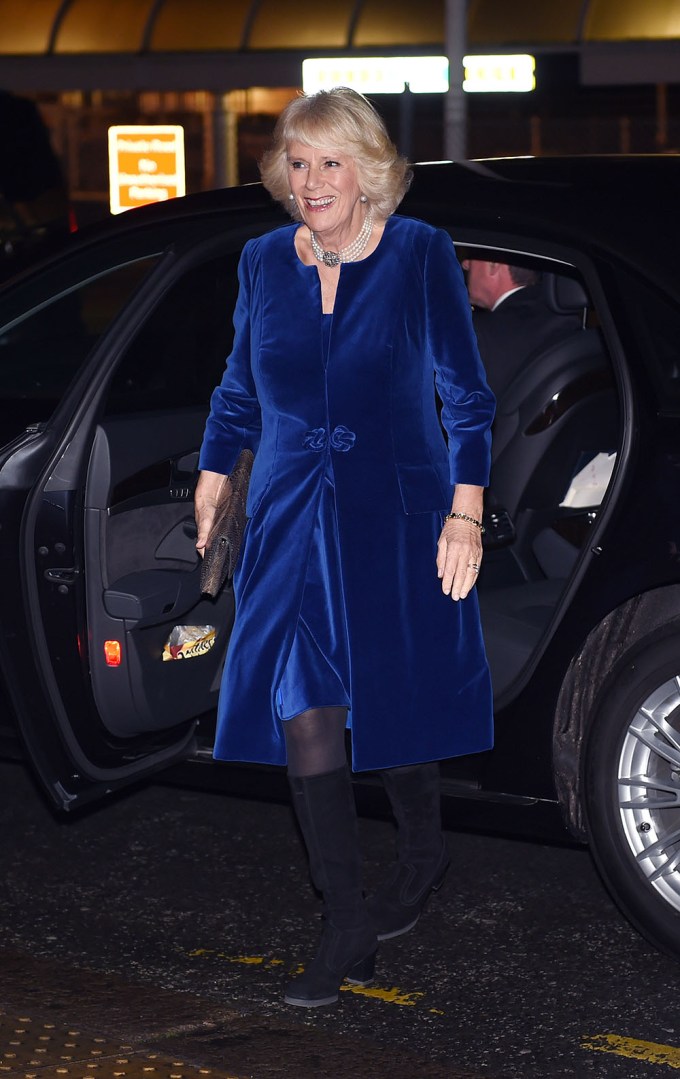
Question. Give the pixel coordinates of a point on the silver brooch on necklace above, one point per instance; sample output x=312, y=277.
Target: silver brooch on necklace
x=346, y=254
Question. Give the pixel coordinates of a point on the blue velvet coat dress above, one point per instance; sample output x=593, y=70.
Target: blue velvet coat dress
x=337, y=596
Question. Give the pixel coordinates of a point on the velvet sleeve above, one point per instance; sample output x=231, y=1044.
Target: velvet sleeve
x=467, y=402
x=234, y=421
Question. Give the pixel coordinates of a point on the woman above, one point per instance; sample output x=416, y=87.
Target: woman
x=344, y=588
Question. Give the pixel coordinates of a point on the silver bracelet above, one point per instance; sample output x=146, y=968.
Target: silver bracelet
x=466, y=517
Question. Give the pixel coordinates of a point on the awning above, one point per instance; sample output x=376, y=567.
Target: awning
x=228, y=44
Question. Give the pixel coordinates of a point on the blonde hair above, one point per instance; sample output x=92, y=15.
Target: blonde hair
x=339, y=119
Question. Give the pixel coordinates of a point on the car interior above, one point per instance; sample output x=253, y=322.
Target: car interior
x=554, y=445
x=140, y=484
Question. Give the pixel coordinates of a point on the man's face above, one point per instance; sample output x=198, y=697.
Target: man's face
x=482, y=282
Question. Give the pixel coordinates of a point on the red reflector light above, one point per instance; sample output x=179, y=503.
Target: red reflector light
x=113, y=653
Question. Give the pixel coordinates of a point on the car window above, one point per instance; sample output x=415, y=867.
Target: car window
x=42, y=350
x=178, y=356
x=555, y=442
x=557, y=430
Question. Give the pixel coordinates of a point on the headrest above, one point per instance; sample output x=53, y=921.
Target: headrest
x=563, y=295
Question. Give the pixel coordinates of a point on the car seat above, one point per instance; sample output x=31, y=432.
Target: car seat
x=560, y=409
x=558, y=412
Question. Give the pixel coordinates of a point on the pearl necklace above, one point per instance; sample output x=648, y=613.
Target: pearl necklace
x=346, y=254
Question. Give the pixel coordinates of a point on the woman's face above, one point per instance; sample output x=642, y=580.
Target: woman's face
x=326, y=189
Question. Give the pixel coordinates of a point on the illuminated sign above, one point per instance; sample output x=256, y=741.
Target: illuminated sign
x=377, y=74
x=146, y=164
x=499, y=74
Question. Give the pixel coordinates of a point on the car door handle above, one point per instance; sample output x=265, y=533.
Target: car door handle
x=62, y=575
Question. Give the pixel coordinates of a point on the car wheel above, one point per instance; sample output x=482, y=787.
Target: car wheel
x=632, y=789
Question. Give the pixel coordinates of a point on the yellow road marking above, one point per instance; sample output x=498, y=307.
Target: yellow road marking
x=649, y=1052
x=387, y=996
x=244, y=960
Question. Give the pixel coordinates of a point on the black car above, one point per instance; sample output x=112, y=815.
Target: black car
x=108, y=354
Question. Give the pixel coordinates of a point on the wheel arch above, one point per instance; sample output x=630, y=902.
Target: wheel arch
x=586, y=681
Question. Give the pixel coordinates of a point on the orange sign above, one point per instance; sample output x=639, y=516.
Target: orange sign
x=146, y=164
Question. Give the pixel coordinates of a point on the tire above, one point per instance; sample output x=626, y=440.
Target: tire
x=632, y=788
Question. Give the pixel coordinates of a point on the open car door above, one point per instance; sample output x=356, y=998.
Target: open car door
x=107, y=361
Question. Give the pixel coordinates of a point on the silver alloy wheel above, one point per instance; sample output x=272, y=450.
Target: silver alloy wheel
x=649, y=789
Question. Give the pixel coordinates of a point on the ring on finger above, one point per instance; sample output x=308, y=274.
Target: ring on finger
x=474, y=566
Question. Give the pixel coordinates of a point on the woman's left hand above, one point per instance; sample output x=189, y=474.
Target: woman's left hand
x=459, y=557
x=209, y=492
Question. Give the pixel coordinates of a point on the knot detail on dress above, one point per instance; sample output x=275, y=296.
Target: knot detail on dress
x=341, y=439
x=315, y=439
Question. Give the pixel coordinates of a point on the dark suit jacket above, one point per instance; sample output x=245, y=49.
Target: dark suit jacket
x=522, y=326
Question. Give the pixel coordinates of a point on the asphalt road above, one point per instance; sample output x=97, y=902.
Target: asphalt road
x=173, y=899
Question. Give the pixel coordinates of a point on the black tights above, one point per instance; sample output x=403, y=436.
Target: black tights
x=315, y=741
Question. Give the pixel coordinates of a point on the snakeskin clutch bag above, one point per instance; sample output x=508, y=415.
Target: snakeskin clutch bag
x=224, y=541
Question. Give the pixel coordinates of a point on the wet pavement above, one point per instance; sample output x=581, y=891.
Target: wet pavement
x=77, y=1023
x=153, y=937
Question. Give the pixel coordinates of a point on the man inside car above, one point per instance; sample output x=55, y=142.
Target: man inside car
x=511, y=317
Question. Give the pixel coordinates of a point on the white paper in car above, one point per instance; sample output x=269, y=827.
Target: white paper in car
x=588, y=486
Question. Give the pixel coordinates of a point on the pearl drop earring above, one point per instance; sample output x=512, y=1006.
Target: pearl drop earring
x=363, y=198
x=291, y=196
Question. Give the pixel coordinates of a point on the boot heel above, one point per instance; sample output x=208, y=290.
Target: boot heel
x=362, y=972
x=440, y=879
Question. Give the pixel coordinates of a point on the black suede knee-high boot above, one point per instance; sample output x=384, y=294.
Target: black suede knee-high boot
x=422, y=857
x=326, y=812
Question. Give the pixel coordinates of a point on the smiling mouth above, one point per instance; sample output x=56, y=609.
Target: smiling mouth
x=320, y=204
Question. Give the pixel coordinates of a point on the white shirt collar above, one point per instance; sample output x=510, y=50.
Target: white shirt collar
x=505, y=295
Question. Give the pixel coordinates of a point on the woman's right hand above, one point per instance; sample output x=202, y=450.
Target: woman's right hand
x=210, y=492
